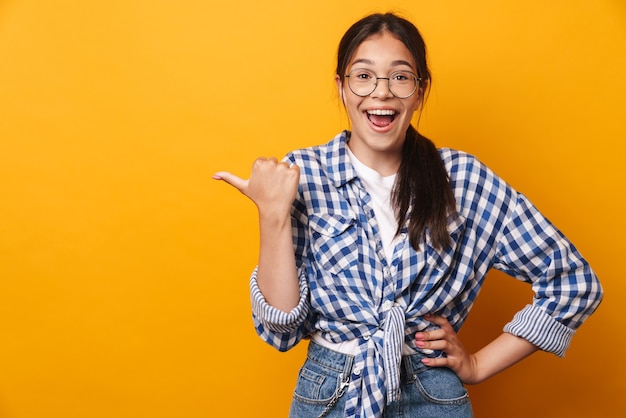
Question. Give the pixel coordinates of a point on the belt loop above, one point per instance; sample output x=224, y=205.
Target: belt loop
x=407, y=367
x=347, y=368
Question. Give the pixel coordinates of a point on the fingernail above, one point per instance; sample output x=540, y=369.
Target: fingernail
x=216, y=177
x=420, y=343
x=425, y=361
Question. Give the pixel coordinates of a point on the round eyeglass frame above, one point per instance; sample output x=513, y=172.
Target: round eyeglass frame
x=417, y=79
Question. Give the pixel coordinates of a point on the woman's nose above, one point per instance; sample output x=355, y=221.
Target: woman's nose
x=382, y=89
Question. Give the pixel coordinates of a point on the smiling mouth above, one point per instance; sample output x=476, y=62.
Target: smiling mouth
x=381, y=117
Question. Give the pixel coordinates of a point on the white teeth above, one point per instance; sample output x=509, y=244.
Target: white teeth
x=381, y=112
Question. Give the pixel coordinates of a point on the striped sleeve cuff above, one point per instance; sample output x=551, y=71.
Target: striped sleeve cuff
x=536, y=326
x=274, y=319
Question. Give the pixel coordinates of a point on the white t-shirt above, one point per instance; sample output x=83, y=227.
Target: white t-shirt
x=379, y=188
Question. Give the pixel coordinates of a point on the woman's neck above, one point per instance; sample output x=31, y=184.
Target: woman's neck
x=386, y=163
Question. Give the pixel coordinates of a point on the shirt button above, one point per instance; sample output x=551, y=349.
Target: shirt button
x=394, y=269
x=387, y=305
x=357, y=371
x=331, y=230
x=366, y=338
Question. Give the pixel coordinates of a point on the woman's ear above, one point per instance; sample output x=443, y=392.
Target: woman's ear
x=340, y=88
x=420, y=99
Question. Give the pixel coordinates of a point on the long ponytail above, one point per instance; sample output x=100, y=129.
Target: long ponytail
x=422, y=191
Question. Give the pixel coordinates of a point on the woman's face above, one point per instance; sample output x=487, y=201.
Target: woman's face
x=379, y=121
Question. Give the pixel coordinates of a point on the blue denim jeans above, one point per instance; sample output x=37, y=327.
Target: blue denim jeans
x=425, y=392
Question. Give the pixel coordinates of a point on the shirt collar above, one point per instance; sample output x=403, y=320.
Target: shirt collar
x=339, y=166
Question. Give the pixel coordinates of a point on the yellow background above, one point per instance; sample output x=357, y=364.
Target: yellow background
x=124, y=268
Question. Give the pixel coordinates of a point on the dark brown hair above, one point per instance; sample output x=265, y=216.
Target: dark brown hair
x=422, y=189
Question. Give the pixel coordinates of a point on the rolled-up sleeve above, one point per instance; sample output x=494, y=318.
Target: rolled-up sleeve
x=280, y=329
x=274, y=319
x=567, y=291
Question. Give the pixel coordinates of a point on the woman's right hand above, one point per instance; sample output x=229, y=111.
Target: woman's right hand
x=272, y=185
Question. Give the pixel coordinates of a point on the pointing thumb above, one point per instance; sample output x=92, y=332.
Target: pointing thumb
x=237, y=182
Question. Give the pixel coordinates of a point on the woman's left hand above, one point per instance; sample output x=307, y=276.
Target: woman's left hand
x=446, y=339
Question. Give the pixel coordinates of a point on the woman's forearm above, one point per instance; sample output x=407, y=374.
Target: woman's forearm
x=500, y=354
x=277, y=276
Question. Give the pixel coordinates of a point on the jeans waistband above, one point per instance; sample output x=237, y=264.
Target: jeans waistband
x=342, y=363
x=330, y=358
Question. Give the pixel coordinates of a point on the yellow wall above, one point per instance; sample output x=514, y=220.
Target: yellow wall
x=124, y=267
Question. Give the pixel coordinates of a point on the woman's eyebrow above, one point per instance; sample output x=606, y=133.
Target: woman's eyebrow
x=370, y=62
x=363, y=61
x=401, y=62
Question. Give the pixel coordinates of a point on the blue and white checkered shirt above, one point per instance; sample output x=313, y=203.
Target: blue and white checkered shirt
x=348, y=290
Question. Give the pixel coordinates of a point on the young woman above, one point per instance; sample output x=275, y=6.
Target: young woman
x=374, y=246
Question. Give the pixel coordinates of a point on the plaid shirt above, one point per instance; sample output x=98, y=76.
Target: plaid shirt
x=349, y=290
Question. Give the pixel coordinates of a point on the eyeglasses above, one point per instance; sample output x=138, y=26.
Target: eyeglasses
x=402, y=84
